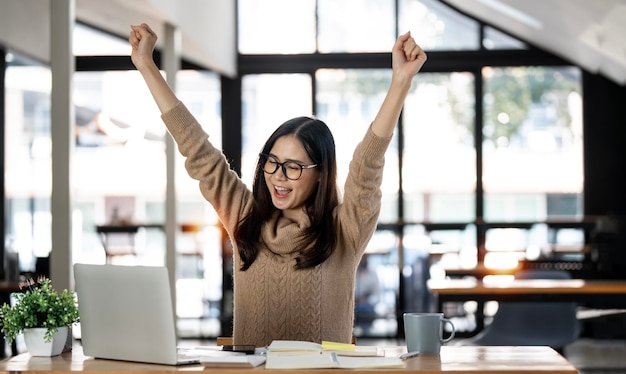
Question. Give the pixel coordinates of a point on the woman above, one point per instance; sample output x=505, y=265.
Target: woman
x=296, y=246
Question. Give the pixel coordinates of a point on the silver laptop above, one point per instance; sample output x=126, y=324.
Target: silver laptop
x=126, y=313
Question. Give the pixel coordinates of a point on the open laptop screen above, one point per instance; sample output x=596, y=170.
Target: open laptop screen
x=126, y=313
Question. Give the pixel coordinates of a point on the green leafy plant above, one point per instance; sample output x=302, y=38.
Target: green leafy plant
x=39, y=305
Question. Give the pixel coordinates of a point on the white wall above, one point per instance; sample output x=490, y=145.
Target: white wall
x=208, y=27
x=25, y=27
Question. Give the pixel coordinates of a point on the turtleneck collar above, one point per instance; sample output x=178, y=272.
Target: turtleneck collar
x=283, y=236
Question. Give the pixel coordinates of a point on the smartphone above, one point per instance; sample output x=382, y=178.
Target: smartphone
x=245, y=348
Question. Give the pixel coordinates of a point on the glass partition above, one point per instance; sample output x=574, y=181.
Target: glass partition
x=276, y=26
x=27, y=164
x=533, y=143
x=376, y=288
x=119, y=179
x=439, y=159
x=355, y=25
x=269, y=100
x=92, y=42
x=495, y=39
x=118, y=167
x=348, y=101
x=435, y=26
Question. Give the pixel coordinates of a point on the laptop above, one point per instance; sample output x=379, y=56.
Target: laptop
x=126, y=313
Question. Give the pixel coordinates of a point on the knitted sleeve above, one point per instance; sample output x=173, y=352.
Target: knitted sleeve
x=358, y=213
x=219, y=185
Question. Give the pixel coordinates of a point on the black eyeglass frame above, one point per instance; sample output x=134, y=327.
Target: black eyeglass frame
x=265, y=157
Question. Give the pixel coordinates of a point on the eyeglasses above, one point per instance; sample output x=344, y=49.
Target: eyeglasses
x=291, y=169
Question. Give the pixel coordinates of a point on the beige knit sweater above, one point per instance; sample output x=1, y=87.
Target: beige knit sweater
x=272, y=300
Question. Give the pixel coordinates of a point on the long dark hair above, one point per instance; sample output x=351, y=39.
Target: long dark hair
x=321, y=236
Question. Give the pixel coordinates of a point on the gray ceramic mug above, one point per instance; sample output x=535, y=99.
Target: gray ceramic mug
x=424, y=332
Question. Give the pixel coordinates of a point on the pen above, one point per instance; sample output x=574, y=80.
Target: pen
x=409, y=355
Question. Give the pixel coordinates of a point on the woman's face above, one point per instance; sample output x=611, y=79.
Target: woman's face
x=290, y=195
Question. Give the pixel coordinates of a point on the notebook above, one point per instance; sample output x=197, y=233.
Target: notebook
x=126, y=313
x=291, y=354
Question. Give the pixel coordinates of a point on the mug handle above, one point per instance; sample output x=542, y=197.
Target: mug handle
x=444, y=321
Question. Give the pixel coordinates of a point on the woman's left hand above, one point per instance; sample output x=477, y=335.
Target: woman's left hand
x=407, y=56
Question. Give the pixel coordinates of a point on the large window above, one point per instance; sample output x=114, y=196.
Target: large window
x=264, y=27
x=28, y=169
x=268, y=100
x=532, y=143
x=348, y=99
x=437, y=27
x=119, y=178
x=355, y=25
x=439, y=158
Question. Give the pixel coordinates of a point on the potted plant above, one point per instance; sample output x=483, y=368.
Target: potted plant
x=43, y=315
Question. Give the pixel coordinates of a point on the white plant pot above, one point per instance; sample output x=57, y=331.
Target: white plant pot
x=34, y=338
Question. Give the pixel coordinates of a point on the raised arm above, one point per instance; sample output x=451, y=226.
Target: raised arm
x=143, y=40
x=407, y=60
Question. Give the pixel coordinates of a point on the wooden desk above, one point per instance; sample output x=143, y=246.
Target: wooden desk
x=594, y=293
x=453, y=359
x=6, y=289
x=579, y=290
x=479, y=271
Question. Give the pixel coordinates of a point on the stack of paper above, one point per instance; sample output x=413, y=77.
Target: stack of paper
x=341, y=349
x=213, y=356
x=291, y=354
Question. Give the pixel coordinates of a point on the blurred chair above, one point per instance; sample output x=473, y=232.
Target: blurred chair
x=551, y=324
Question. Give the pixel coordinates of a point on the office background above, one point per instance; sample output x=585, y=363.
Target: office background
x=499, y=138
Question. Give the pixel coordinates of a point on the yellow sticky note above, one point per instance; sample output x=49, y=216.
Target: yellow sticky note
x=337, y=345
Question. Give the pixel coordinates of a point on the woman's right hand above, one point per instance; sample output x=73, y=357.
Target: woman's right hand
x=142, y=39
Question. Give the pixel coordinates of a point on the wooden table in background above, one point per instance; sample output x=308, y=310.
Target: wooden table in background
x=594, y=293
x=130, y=230
x=453, y=359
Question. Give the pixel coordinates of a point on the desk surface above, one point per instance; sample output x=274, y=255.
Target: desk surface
x=8, y=287
x=453, y=359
